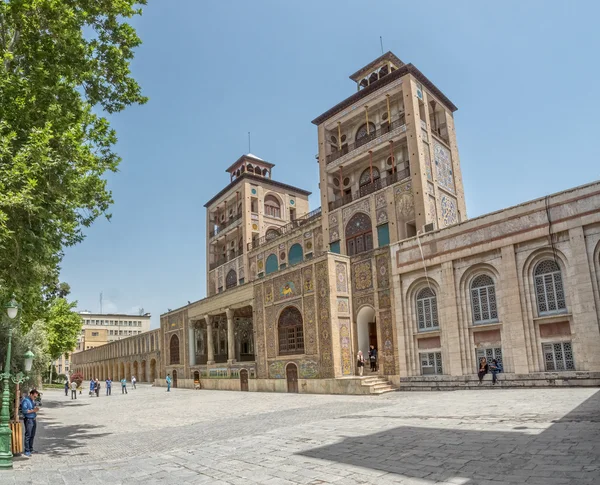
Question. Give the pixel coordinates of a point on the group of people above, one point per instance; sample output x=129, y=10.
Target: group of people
x=95, y=387
x=495, y=368
x=360, y=362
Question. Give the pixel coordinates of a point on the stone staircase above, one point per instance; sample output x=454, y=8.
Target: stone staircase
x=376, y=385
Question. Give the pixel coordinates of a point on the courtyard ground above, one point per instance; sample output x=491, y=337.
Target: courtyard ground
x=149, y=436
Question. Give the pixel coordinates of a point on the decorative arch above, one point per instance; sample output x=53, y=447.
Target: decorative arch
x=231, y=279
x=365, y=177
x=291, y=331
x=359, y=234
x=363, y=131
x=174, y=350
x=272, y=206
x=272, y=233
x=549, y=287
x=296, y=254
x=271, y=264
x=427, y=316
x=483, y=299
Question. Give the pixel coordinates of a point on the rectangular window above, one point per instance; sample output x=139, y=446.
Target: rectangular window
x=558, y=356
x=431, y=363
x=383, y=234
x=334, y=247
x=241, y=281
x=94, y=334
x=490, y=354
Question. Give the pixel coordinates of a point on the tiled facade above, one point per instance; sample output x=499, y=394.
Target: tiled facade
x=389, y=260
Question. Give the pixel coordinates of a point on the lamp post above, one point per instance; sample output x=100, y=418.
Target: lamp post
x=12, y=309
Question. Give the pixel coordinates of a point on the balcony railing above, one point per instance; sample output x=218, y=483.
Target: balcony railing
x=370, y=188
x=225, y=225
x=232, y=255
x=296, y=223
x=382, y=130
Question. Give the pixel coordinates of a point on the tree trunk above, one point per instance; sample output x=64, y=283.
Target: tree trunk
x=51, y=366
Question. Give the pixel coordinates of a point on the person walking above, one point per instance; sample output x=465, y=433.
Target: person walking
x=123, y=386
x=30, y=411
x=133, y=381
x=92, y=386
x=73, y=390
x=360, y=362
x=108, y=386
x=483, y=369
x=97, y=387
x=168, y=379
x=495, y=368
x=373, y=358
x=66, y=387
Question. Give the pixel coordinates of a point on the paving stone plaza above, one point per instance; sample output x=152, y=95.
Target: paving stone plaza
x=546, y=436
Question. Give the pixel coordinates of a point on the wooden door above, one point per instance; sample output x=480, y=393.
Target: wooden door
x=373, y=334
x=291, y=373
x=244, y=379
x=174, y=383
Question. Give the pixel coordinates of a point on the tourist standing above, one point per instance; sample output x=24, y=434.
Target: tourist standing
x=483, y=369
x=123, y=386
x=30, y=411
x=133, y=381
x=495, y=368
x=97, y=387
x=168, y=382
x=92, y=385
x=373, y=358
x=73, y=390
x=360, y=362
x=66, y=387
x=108, y=386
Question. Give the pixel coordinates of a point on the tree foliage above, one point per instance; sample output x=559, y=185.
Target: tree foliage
x=62, y=63
x=63, y=326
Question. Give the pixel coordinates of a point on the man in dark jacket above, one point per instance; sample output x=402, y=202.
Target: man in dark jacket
x=30, y=410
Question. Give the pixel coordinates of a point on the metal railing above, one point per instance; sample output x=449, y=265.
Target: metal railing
x=296, y=223
x=382, y=130
x=370, y=188
x=231, y=256
x=225, y=225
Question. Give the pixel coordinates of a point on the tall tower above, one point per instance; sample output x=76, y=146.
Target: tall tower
x=388, y=160
x=249, y=209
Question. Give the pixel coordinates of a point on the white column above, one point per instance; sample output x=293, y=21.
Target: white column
x=210, y=351
x=230, y=337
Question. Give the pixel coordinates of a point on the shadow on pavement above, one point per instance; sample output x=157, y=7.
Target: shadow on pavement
x=59, y=439
x=566, y=452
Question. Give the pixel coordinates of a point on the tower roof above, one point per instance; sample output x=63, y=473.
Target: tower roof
x=381, y=60
x=250, y=158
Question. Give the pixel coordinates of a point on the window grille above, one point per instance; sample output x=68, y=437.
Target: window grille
x=431, y=363
x=558, y=356
x=549, y=290
x=427, y=313
x=490, y=354
x=483, y=300
x=291, y=331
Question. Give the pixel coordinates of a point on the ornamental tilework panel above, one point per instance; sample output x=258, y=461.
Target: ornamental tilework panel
x=346, y=354
x=382, y=216
x=310, y=326
x=380, y=200
x=383, y=270
x=307, y=279
x=277, y=370
x=271, y=332
x=362, y=206
x=308, y=369
x=259, y=345
x=268, y=293
x=341, y=278
x=334, y=227
x=405, y=202
x=362, y=275
x=323, y=316
x=343, y=304
x=287, y=286
x=384, y=299
x=318, y=237
x=427, y=154
x=360, y=300
x=389, y=361
x=443, y=166
x=449, y=215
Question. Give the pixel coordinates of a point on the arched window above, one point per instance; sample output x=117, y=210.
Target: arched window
x=365, y=177
x=359, y=234
x=231, y=279
x=250, y=168
x=483, y=299
x=271, y=234
x=271, y=266
x=427, y=313
x=265, y=172
x=174, y=350
x=291, y=331
x=549, y=288
x=295, y=255
x=272, y=206
x=362, y=131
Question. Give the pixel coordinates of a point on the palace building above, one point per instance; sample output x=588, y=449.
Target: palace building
x=390, y=259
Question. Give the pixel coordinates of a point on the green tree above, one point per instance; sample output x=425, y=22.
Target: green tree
x=62, y=64
x=63, y=325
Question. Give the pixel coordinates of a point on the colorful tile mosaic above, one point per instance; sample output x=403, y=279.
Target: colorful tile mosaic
x=268, y=293
x=343, y=304
x=334, y=227
x=362, y=277
x=382, y=216
x=383, y=270
x=259, y=326
x=443, y=166
x=449, y=214
x=310, y=326
x=387, y=331
x=362, y=206
x=325, y=344
x=380, y=200
x=346, y=353
x=271, y=332
x=341, y=278
x=277, y=370
x=384, y=299
x=359, y=301
x=288, y=286
x=308, y=369
x=405, y=202
x=427, y=155
x=307, y=277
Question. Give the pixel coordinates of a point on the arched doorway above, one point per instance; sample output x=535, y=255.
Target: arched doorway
x=135, y=370
x=152, y=370
x=291, y=373
x=121, y=371
x=174, y=383
x=366, y=329
x=244, y=380
x=143, y=371
x=174, y=350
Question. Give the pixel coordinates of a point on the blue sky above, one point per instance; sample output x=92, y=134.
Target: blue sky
x=523, y=75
